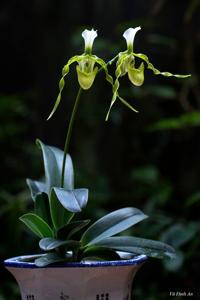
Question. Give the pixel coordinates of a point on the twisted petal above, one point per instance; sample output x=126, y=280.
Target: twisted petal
x=89, y=36
x=65, y=71
x=120, y=71
x=129, y=36
x=156, y=71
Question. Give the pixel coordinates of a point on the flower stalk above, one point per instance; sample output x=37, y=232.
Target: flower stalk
x=68, y=136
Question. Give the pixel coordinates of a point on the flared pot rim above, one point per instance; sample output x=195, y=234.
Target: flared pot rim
x=22, y=262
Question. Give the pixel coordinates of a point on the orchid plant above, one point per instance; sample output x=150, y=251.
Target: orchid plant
x=57, y=201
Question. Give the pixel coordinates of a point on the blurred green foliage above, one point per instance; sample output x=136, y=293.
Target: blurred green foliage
x=148, y=160
x=184, y=121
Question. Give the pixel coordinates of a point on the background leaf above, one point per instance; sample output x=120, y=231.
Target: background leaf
x=191, y=119
x=178, y=234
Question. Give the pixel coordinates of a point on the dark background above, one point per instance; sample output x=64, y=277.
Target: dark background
x=148, y=160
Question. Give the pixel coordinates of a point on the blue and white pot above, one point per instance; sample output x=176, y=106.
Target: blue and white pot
x=98, y=280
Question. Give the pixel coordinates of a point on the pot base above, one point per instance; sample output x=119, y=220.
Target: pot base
x=111, y=280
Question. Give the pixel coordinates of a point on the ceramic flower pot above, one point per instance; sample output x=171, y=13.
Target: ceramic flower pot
x=99, y=280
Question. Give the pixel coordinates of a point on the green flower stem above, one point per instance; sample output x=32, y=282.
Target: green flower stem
x=69, y=131
x=110, y=62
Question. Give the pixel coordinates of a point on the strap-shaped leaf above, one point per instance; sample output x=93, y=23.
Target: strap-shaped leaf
x=99, y=253
x=37, y=225
x=48, y=259
x=65, y=71
x=53, y=158
x=36, y=187
x=135, y=245
x=112, y=224
x=48, y=244
x=69, y=170
x=72, y=200
x=67, y=231
x=59, y=215
x=156, y=71
x=42, y=208
x=50, y=166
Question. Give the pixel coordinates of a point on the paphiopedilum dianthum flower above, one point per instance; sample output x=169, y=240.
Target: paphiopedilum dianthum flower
x=126, y=65
x=86, y=69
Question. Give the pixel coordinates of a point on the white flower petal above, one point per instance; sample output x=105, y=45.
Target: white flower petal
x=129, y=35
x=89, y=36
